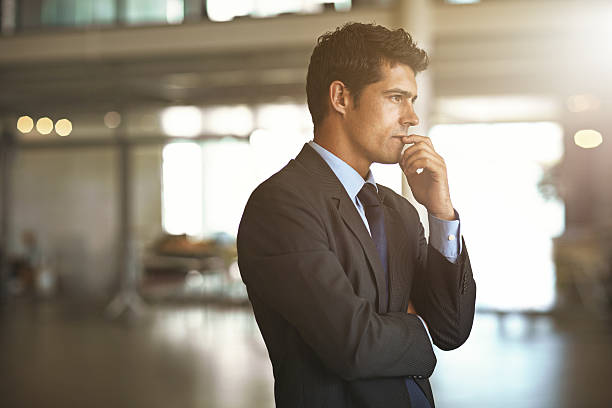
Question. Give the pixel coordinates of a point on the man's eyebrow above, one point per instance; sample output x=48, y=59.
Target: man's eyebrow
x=400, y=91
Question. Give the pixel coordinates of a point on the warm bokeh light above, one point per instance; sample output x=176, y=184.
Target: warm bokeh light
x=588, y=138
x=25, y=124
x=63, y=127
x=112, y=120
x=44, y=125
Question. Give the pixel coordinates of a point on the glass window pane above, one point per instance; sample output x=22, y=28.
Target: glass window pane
x=104, y=11
x=154, y=11
x=75, y=12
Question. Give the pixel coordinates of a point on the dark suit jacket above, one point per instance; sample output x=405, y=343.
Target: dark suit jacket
x=314, y=277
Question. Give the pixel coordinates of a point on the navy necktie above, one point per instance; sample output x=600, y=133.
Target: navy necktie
x=376, y=220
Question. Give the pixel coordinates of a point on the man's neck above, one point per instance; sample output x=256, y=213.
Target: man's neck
x=336, y=144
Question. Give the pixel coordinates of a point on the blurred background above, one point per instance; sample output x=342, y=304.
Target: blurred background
x=132, y=132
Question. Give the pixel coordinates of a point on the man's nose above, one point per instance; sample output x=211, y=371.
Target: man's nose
x=410, y=117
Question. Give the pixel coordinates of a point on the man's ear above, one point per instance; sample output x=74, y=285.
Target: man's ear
x=339, y=97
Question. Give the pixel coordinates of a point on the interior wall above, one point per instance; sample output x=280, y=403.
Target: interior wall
x=68, y=198
x=586, y=173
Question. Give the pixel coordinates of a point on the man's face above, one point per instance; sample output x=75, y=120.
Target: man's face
x=385, y=111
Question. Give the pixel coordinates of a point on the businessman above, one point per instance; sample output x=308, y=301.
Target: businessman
x=345, y=288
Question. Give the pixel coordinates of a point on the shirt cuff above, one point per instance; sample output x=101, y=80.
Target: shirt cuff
x=445, y=236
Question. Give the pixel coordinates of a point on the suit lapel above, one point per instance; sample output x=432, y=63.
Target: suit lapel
x=353, y=221
x=331, y=186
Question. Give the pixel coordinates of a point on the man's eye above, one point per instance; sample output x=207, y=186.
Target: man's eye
x=396, y=98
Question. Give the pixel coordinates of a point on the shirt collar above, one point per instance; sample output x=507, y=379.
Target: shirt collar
x=348, y=176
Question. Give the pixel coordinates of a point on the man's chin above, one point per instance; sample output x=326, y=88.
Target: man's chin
x=389, y=156
x=389, y=160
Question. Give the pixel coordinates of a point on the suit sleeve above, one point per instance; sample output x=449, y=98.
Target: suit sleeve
x=444, y=294
x=285, y=260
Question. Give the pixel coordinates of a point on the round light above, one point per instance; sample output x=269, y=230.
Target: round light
x=63, y=127
x=44, y=125
x=588, y=138
x=25, y=124
x=112, y=120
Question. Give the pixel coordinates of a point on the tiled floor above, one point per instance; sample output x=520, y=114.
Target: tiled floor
x=59, y=354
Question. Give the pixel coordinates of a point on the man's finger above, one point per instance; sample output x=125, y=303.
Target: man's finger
x=418, y=144
x=436, y=160
x=419, y=147
x=423, y=160
x=417, y=138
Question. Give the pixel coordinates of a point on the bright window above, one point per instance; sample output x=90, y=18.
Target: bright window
x=226, y=10
x=182, y=189
x=206, y=184
x=228, y=181
x=493, y=171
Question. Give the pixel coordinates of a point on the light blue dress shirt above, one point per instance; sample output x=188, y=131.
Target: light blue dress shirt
x=439, y=230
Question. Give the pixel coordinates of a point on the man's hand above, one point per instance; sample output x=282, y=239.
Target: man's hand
x=411, y=308
x=430, y=187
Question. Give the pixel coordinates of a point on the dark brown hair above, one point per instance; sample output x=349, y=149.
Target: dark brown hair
x=354, y=54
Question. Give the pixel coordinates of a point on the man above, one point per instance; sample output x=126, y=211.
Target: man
x=336, y=266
